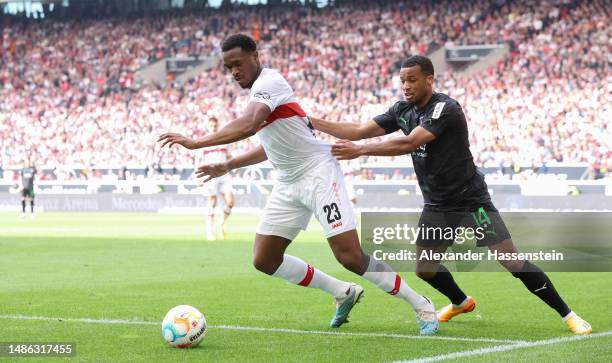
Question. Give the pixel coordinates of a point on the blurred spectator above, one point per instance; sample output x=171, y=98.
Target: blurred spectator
x=69, y=94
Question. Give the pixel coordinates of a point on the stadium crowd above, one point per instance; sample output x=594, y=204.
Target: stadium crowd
x=70, y=96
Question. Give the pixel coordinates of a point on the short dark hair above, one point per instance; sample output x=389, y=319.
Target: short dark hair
x=241, y=41
x=420, y=60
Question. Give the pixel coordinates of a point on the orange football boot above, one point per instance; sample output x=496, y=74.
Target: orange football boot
x=450, y=311
x=577, y=325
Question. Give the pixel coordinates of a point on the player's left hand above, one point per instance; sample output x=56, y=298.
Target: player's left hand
x=172, y=138
x=211, y=171
x=345, y=150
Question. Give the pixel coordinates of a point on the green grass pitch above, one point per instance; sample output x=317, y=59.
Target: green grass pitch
x=135, y=267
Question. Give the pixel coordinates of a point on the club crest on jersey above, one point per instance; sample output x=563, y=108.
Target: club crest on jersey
x=262, y=95
x=438, y=110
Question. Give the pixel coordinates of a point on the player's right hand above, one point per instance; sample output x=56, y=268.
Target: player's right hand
x=172, y=139
x=210, y=171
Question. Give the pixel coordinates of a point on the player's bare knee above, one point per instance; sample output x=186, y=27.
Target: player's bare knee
x=266, y=265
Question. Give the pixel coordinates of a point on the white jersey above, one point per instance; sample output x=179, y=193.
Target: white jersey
x=216, y=154
x=286, y=135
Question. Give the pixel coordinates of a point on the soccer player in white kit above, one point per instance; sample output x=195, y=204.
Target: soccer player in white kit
x=217, y=188
x=309, y=181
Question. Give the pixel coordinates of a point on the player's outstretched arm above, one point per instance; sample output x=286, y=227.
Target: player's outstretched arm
x=346, y=150
x=236, y=130
x=251, y=157
x=348, y=130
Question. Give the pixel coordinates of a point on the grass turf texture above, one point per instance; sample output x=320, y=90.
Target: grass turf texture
x=138, y=266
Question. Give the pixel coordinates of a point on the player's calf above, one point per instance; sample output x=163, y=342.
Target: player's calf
x=383, y=276
x=346, y=295
x=538, y=283
x=210, y=222
x=354, y=261
x=298, y=272
x=227, y=210
x=348, y=252
x=441, y=279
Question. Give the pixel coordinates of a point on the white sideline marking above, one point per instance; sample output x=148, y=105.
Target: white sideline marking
x=505, y=348
x=276, y=330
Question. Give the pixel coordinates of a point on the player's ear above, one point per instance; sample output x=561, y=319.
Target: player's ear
x=430, y=80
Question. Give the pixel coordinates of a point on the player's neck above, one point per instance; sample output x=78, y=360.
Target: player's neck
x=256, y=76
x=425, y=101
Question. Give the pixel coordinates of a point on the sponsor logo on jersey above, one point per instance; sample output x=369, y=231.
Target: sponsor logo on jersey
x=262, y=95
x=421, y=151
x=403, y=120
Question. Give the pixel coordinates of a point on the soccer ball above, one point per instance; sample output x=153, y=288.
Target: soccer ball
x=184, y=326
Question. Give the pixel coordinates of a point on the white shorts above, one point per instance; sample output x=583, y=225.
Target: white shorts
x=321, y=192
x=217, y=186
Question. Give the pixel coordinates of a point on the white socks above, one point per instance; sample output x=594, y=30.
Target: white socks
x=226, y=213
x=571, y=314
x=210, y=220
x=296, y=271
x=381, y=275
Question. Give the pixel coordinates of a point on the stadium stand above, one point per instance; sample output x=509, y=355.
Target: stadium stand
x=70, y=99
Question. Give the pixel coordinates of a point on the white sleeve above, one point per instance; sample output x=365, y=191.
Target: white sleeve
x=272, y=91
